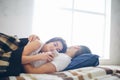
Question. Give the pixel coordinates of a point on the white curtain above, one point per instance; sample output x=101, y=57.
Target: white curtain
x=79, y=22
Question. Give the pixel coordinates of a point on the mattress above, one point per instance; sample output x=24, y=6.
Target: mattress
x=103, y=72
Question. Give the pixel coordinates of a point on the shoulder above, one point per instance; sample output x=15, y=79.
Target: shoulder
x=35, y=43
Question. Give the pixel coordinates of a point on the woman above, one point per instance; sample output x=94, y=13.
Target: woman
x=14, y=66
x=36, y=50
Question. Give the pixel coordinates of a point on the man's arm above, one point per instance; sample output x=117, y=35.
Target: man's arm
x=44, y=69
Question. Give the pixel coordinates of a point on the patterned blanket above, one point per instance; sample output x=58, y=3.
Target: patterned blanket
x=11, y=49
x=86, y=73
x=7, y=45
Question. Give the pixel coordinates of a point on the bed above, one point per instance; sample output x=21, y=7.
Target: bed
x=87, y=73
x=84, y=73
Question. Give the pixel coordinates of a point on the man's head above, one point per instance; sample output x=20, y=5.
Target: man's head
x=83, y=50
x=71, y=51
x=77, y=50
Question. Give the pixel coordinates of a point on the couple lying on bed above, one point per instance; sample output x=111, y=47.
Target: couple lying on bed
x=44, y=55
x=38, y=57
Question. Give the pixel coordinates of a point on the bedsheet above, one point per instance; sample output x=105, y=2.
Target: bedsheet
x=86, y=73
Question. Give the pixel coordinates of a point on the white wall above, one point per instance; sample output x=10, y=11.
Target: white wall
x=115, y=34
x=16, y=17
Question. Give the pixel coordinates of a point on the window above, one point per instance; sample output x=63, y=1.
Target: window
x=79, y=22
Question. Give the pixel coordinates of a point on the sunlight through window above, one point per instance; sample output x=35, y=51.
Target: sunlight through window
x=79, y=22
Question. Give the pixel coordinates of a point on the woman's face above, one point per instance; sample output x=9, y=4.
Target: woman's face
x=57, y=45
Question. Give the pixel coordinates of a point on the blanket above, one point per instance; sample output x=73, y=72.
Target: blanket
x=86, y=73
x=7, y=45
x=10, y=55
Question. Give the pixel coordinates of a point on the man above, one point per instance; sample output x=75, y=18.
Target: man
x=59, y=63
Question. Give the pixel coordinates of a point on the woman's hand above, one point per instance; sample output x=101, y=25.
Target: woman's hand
x=33, y=37
x=48, y=56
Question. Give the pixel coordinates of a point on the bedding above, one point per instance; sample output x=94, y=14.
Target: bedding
x=10, y=55
x=13, y=66
x=7, y=45
x=86, y=73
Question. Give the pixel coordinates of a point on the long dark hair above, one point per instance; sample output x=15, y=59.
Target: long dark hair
x=61, y=40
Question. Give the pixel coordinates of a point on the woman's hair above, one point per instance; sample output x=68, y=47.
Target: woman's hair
x=61, y=40
x=83, y=50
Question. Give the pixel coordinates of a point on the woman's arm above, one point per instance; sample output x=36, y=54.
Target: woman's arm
x=44, y=69
x=28, y=49
x=32, y=46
